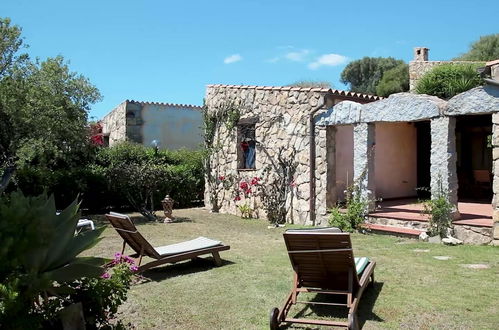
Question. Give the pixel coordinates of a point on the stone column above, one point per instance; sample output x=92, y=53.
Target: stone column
x=331, y=192
x=363, y=161
x=495, y=182
x=443, y=159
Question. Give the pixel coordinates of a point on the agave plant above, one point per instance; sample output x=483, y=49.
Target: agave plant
x=40, y=246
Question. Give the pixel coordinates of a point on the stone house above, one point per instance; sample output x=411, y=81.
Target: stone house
x=389, y=147
x=173, y=126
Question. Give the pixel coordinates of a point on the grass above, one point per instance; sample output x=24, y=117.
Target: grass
x=413, y=290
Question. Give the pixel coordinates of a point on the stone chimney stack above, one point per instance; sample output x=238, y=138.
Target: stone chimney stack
x=421, y=54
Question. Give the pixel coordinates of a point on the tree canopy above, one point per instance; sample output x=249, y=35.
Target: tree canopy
x=43, y=107
x=484, y=49
x=364, y=75
x=395, y=80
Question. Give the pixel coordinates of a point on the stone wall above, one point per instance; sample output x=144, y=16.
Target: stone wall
x=495, y=170
x=114, y=124
x=282, y=126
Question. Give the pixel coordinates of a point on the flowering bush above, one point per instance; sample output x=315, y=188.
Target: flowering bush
x=101, y=297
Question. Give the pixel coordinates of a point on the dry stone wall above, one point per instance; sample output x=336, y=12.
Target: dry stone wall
x=114, y=124
x=282, y=126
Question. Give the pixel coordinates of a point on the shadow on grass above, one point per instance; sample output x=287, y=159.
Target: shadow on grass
x=195, y=265
x=364, y=311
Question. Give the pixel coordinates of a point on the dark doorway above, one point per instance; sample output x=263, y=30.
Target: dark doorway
x=474, y=157
x=423, y=159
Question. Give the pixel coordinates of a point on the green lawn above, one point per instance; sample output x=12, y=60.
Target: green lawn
x=413, y=290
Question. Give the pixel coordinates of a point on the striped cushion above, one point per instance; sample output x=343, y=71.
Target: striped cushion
x=360, y=264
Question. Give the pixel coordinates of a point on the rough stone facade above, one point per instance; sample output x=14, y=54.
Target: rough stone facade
x=174, y=126
x=443, y=159
x=114, y=124
x=282, y=115
x=283, y=124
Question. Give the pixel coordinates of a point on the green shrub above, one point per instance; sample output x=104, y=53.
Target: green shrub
x=448, y=80
x=440, y=210
x=354, y=214
x=117, y=174
x=101, y=297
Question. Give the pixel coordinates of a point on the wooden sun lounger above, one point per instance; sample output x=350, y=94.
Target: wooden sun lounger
x=323, y=262
x=163, y=254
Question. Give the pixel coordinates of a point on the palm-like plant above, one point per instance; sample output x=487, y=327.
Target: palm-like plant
x=40, y=248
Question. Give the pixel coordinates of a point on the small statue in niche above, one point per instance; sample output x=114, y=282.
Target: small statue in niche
x=167, y=203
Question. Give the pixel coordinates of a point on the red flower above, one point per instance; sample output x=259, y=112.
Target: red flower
x=254, y=181
x=247, y=191
x=221, y=178
x=243, y=185
x=237, y=198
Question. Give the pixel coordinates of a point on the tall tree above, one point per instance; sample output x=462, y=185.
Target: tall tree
x=364, y=75
x=484, y=49
x=395, y=80
x=43, y=109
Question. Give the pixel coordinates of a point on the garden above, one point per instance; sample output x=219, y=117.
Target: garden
x=418, y=285
x=54, y=170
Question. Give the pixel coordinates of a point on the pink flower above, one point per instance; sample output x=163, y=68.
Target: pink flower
x=243, y=185
x=221, y=178
x=237, y=198
x=117, y=255
x=254, y=181
x=293, y=184
x=106, y=275
x=128, y=260
x=247, y=191
x=134, y=268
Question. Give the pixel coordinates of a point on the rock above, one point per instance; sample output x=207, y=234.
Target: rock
x=473, y=235
x=403, y=107
x=423, y=237
x=442, y=257
x=435, y=239
x=479, y=100
x=449, y=240
x=476, y=266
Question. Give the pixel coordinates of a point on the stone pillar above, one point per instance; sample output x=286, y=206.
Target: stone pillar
x=363, y=161
x=495, y=182
x=331, y=191
x=443, y=159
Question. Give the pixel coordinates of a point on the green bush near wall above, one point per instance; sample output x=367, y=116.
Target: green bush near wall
x=181, y=172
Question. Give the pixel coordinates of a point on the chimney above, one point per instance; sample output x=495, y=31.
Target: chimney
x=421, y=54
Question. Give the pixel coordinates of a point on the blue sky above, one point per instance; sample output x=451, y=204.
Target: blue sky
x=168, y=51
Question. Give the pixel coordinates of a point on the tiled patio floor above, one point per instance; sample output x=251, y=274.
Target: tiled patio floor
x=472, y=213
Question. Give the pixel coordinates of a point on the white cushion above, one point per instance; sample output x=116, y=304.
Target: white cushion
x=193, y=244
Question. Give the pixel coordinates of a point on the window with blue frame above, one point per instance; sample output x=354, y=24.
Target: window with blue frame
x=246, y=145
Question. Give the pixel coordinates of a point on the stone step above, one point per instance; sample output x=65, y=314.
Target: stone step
x=392, y=230
x=403, y=223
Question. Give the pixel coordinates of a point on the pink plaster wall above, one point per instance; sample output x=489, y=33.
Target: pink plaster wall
x=395, y=166
x=344, y=159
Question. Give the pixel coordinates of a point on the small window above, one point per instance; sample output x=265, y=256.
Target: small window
x=246, y=146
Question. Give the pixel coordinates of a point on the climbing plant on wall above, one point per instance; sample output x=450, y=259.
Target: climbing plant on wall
x=226, y=115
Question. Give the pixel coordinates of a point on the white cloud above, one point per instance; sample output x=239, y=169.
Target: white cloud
x=273, y=59
x=297, y=56
x=328, y=60
x=233, y=59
